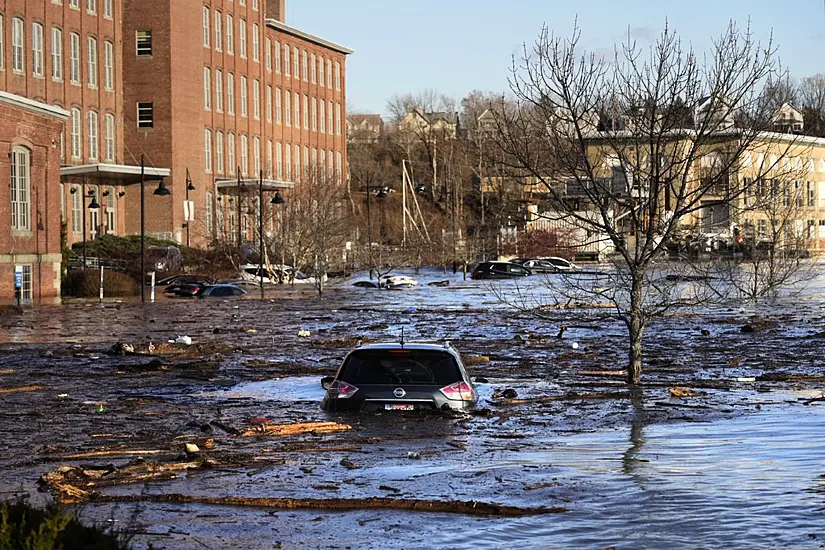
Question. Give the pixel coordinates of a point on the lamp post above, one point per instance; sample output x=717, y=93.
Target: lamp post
x=161, y=191
x=369, y=230
x=187, y=209
x=278, y=199
x=261, y=230
x=238, y=221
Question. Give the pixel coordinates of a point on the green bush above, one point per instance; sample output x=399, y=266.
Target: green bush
x=23, y=527
x=81, y=283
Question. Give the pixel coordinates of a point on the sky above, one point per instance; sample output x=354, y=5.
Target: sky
x=457, y=46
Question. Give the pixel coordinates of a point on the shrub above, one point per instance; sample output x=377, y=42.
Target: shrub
x=81, y=283
x=26, y=528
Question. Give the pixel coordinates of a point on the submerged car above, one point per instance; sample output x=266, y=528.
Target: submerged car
x=550, y=265
x=280, y=273
x=499, y=270
x=220, y=291
x=400, y=377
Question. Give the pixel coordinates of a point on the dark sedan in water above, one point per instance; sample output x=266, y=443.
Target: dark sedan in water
x=400, y=377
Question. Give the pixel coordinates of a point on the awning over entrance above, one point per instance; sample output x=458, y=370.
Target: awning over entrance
x=249, y=183
x=122, y=173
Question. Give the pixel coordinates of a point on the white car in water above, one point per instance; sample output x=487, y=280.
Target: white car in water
x=279, y=273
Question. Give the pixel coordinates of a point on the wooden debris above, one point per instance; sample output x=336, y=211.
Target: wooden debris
x=295, y=429
x=110, y=453
x=572, y=396
x=681, y=392
x=372, y=503
x=20, y=389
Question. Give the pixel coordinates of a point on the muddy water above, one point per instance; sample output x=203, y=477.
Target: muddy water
x=739, y=465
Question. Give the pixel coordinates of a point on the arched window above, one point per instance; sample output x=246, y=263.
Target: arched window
x=20, y=189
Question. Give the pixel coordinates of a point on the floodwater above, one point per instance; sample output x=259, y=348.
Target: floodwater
x=740, y=465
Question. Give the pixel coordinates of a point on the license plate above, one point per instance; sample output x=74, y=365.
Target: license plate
x=397, y=407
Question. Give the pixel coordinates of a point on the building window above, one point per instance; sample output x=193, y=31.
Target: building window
x=108, y=66
x=207, y=150
x=256, y=99
x=322, y=116
x=18, y=41
x=811, y=193
x=20, y=189
x=111, y=210
x=107, y=8
x=338, y=76
x=255, y=5
x=218, y=91
x=110, y=137
x=256, y=43
x=288, y=163
x=242, y=37
x=244, y=96
x=304, y=63
x=77, y=211
x=305, y=173
x=329, y=73
x=230, y=152
x=321, y=71
x=219, y=152
x=91, y=6
x=277, y=52
x=337, y=119
x=296, y=103
x=256, y=154
x=329, y=119
x=230, y=34
x=244, y=152
x=314, y=115
x=287, y=108
x=338, y=171
x=286, y=60
x=2, y=41
x=205, y=27
x=296, y=162
x=37, y=49
x=208, y=214
x=322, y=168
x=269, y=103
x=278, y=109
x=295, y=62
x=74, y=4
x=143, y=43
x=268, y=54
x=75, y=133
x=269, y=166
x=145, y=114
x=313, y=68
x=279, y=167
x=218, y=33
x=230, y=93
x=91, y=60
x=330, y=165
x=207, y=89
x=93, y=133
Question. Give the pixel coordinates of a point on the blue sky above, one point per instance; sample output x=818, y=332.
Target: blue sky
x=456, y=46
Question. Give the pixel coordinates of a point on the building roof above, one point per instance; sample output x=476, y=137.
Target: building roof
x=278, y=25
x=33, y=106
x=371, y=119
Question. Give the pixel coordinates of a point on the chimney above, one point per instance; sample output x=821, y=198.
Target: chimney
x=276, y=9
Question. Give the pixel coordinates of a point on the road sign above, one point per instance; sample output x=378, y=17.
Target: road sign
x=18, y=276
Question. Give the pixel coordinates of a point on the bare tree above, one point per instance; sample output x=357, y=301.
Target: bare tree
x=637, y=177
x=811, y=97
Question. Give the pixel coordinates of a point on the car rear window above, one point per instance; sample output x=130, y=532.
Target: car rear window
x=397, y=366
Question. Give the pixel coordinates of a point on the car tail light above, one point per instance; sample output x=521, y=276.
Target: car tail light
x=459, y=391
x=343, y=389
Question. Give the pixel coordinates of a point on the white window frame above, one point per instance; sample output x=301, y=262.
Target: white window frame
x=313, y=69
x=93, y=129
x=278, y=108
x=287, y=65
x=108, y=66
x=110, y=137
x=91, y=61
x=218, y=30
x=20, y=188
x=230, y=34
x=288, y=108
x=18, y=45
x=219, y=152
x=37, y=50
x=207, y=17
x=143, y=43
x=304, y=66
x=108, y=9
x=76, y=132
x=218, y=91
x=277, y=52
x=242, y=38
x=207, y=150
x=91, y=7
x=145, y=114
x=337, y=76
x=287, y=163
x=268, y=54
x=56, y=53
x=268, y=103
x=207, y=89
x=256, y=99
x=321, y=71
x=279, y=167
x=322, y=116
x=244, y=91
x=230, y=153
x=256, y=43
x=230, y=94
x=314, y=124
x=74, y=58
x=296, y=106
x=244, y=152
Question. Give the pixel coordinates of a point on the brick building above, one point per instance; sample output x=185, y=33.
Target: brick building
x=30, y=198
x=220, y=91
x=138, y=82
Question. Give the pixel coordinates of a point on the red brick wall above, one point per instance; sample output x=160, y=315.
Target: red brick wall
x=41, y=246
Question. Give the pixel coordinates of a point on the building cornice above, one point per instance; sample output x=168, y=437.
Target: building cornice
x=277, y=25
x=33, y=106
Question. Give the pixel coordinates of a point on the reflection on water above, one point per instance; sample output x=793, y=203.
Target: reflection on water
x=744, y=483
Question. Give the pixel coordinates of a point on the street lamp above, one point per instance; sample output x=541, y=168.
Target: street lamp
x=261, y=230
x=189, y=187
x=278, y=199
x=161, y=191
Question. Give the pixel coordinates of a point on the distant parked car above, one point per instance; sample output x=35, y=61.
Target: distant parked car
x=499, y=270
x=175, y=282
x=400, y=377
x=280, y=273
x=220, y=291
x=549, y=265
x=185, y=290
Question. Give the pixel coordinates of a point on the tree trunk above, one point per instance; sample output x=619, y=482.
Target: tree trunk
x=635, y=328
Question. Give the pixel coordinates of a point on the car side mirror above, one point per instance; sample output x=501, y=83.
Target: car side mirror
x=327, y=381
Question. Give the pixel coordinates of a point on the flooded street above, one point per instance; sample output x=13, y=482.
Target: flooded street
x=580, y=459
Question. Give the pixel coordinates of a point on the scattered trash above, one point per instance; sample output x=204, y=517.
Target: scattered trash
x=303, y=334
x=251, y=330
x=475, y=359
x=746, y=379
x=122, y=348
x=296, y=428
x=100, y=408
x=348, y=464
x=681, y=392
x=445, y=282
x=508, y=393
x=62, y=395
x=185, y=340
x=481, y=380
x=574, y=345
x=414, y=455
x=705, y=332
x=410, y=309
x=192, y=449
x=540, y=486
